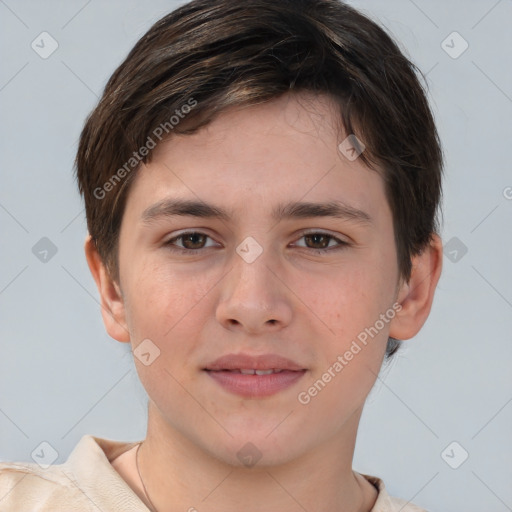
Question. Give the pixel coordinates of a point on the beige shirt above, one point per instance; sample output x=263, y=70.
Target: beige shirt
x=87, y=482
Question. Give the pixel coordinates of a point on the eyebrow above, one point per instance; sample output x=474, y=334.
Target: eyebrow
x=292, y=210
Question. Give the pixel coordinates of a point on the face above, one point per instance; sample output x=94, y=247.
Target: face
x=251, y=280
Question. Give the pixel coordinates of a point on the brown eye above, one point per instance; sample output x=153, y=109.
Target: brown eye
x=321, y=243
x=193, y=240
x=190, y=241
x=318, y=240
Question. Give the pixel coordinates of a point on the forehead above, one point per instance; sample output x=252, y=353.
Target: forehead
x=292, y=115
x=259, y=155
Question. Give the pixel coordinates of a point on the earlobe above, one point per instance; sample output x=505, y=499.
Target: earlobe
x=111, y=300
x=416, y=296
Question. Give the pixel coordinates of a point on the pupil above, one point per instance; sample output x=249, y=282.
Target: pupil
x=316, y=241
x=193, y=238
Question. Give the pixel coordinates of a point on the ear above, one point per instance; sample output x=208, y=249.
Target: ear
x=417, y=294
x=112, y=302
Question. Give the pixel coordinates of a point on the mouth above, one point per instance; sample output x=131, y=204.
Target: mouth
x=255, y=376
x=245, y=371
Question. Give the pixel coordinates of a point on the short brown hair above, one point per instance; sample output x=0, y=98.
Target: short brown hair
x=209, y=55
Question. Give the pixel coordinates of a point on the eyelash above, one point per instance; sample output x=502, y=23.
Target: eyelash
x=341, y=243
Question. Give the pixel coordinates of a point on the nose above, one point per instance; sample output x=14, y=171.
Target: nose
x=252, y=298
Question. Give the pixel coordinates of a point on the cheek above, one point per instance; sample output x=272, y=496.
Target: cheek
x=351, y=362
x=350, y=359
x=350, y=304
x=348, y=299
x=168, y=309
x=163, y=296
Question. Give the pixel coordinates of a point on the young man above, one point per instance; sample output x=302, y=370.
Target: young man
x=261, y=182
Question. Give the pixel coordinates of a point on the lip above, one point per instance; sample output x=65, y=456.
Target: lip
x=258, y=362
x=223, y=371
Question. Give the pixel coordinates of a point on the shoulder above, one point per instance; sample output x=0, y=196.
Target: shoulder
x=85, y=482
x=403, y=506
x=387, y=503
x=27, y=487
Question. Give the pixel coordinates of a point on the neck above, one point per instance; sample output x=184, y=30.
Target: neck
x=179, y=475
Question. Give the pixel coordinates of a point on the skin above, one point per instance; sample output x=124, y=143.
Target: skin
x=198, y=306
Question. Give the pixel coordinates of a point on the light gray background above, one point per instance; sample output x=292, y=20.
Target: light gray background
x=62, y=377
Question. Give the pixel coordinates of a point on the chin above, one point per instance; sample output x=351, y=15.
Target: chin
x=254, y=449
